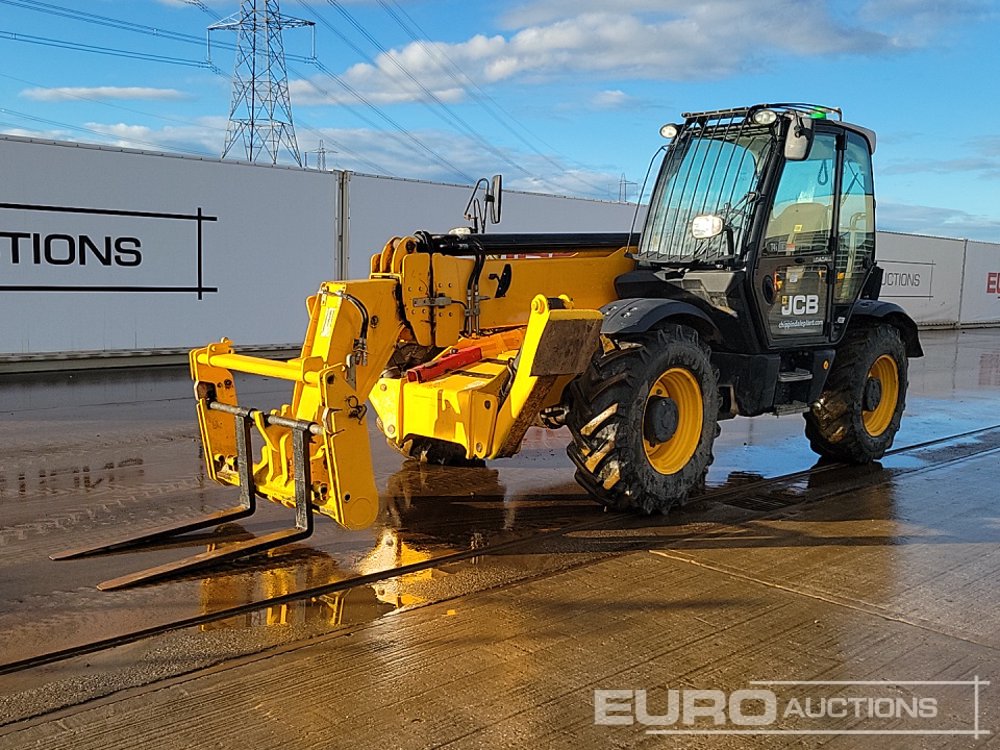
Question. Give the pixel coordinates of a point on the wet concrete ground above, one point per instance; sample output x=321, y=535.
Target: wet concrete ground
x=876, y=573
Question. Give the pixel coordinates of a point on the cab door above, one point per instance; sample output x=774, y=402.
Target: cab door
x=792, y=275
x=855, y=254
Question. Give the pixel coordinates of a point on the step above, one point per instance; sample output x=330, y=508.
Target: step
x=794, y=376
x=795, y=407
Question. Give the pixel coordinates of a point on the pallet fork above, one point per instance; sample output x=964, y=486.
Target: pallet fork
x=302, y=433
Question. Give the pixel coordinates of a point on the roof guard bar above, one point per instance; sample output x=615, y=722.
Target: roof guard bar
x=801, y=107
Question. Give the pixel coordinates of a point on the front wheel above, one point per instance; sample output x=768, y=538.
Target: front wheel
x=643, y=419
x=857, y=416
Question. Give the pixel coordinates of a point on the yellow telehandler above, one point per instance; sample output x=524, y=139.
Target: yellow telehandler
x=751, y=289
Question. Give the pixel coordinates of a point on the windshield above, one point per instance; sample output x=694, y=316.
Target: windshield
x=714, y=170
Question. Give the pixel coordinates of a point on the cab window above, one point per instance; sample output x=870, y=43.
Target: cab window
x=799, y=222
x=857, y=220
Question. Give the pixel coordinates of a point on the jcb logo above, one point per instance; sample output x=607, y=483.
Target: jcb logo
x=800, y=304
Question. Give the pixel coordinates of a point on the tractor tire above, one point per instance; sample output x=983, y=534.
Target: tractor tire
x=643, y=418
x=857, y=415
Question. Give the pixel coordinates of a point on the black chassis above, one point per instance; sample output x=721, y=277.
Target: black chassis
x=750, y=376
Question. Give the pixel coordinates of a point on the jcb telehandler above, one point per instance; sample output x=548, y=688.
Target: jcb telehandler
x=752, y=289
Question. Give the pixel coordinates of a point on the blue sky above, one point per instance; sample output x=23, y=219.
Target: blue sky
x=561, y=96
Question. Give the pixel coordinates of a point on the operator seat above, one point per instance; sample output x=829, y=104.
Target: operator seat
x=799, y=228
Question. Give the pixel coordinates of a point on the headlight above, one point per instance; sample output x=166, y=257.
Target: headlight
x=765, y=116
x=670, y=130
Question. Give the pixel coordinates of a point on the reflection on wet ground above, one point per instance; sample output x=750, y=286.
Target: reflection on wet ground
x=90, y=456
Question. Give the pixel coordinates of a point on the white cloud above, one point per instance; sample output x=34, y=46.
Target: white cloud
x=389, y=90
x=385, y=83
x=205, y=136
x=916, y=23
x=69, y=93
x=937, y=221
x=546, y=11
x=361, y=150
x=611, y=99
x=399, y=157
x=978, y=165
x=639, y=39
x=983, y=161
x=51, y=135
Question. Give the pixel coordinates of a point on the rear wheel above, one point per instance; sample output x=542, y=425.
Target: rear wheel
x=857, y=416
x=643, y=420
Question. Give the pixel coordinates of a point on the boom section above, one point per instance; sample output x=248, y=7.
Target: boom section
x=462, y=339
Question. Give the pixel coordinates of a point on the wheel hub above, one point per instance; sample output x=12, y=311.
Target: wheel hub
x=873, y=394
x=662, y=418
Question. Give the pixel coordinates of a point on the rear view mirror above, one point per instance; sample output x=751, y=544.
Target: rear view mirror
x=798, y=140
x=488, y=212
x=495, y=198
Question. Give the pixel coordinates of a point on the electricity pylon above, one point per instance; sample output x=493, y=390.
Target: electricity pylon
x=261, y=114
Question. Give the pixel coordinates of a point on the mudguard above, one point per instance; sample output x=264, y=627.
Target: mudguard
x=641, y=314
x=868, y=311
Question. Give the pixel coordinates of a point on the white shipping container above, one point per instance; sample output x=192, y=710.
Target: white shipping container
x=923, y=275
x=112, y=250
x=104, y=249
x=981, y=288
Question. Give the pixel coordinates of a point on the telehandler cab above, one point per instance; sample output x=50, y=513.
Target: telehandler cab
x=752, y=289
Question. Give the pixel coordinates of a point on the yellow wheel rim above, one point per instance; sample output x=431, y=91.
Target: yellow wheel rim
x=886, y=372
x=673, y=455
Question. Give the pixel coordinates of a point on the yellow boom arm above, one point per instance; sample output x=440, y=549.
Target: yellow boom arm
x=515, y=350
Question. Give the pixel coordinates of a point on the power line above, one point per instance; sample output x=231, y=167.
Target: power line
x=341, y=148
x=116, y=23
x=95, y=19
x=93, y=131
x=473, y=89
x=205, y=8
x=438, y=158
x=159, y=146
x=379, y=112
x=451, y=69
x=103, y=103
x=446, y=113
x=129, y=54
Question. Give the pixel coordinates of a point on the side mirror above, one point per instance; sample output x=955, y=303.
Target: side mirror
x=706, y=226
x=495, y=198
x=799, y=138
